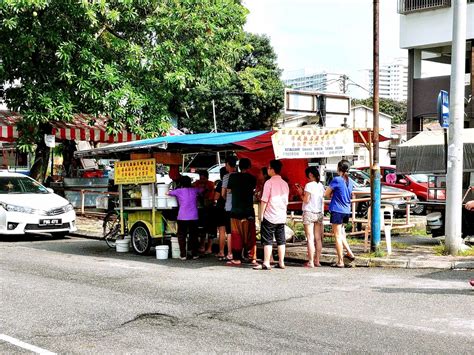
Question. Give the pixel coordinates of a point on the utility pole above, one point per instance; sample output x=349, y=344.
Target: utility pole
x=456, y=125
x=375, y=168
x=215, y=128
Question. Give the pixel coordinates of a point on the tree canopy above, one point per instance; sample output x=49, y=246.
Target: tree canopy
x=252, y=99
x=135, y=61
x=396, y=109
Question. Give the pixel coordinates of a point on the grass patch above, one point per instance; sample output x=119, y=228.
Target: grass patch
x=395, y=245
x=442, y=250
x=417, y=231
x=377, y=254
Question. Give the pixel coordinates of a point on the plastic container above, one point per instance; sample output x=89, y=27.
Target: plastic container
x=175, y=252
x=122, y=245
x=162, y=190
x=171, y=202
x=434, y=220
x=146, y=195
x=160, y=202
x=162, y=252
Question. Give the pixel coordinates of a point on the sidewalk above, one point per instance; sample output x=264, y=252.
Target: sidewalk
x=408, y=251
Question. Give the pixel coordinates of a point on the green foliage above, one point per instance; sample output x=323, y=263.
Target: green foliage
x=396, y=109
x=135, y=61
x=251, y=100
x=442, y=250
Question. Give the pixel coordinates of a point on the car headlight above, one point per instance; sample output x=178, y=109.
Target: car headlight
x=68, y=207
x=14, y=208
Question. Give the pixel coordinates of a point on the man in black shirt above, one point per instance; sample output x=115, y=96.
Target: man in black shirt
x=242, y=213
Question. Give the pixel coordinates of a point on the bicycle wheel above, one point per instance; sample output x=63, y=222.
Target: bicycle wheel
x=111, y=228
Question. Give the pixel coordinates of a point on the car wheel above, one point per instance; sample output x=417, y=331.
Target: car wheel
x=419, y=209
x=59, y=235
x=362, y=209
x=141, y=239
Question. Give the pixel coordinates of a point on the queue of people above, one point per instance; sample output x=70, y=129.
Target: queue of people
x=226, y=211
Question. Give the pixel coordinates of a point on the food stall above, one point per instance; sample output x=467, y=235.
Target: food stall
x=144, y=210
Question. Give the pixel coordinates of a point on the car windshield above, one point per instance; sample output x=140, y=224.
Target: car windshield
x=361, y=178
x=419, y=177
x=20, y=185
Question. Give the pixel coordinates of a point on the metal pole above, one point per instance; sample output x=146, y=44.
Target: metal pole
x=215, y=128
x=375, y=168
x=455, y=148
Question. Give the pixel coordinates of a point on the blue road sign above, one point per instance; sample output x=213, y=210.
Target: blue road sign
x=443, y=108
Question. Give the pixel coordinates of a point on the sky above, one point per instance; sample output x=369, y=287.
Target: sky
x=335, y=36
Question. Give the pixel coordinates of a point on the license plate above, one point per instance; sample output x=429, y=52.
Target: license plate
x=50, y=222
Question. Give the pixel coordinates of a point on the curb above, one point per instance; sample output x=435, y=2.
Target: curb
x=408, y=263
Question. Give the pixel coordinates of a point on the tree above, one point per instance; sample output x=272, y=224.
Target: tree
x=131, y=60
x=251, y=101
x=396, y=109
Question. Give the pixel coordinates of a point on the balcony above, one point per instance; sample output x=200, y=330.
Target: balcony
x=409, y=6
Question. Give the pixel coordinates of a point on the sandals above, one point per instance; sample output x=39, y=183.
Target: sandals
x=349, y=257
x=262, y=267
x=337, y=265
x=232, y=263
x=308, y=265
x=278, y=266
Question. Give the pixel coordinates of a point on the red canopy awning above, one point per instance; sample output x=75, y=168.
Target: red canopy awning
x=83, y=127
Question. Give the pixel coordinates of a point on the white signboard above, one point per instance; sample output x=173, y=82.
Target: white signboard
x=301, y=102
x=338, y=105
x=312, y=142
x=50, y=140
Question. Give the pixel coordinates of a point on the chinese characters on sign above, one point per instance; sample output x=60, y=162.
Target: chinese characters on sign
x=312, y=142
x=135, y=171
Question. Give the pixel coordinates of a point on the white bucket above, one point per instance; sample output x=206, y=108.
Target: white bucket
x=160, y=202
x=146, y=202
x=122, y=245
x=162, y=190
x=171, y=202
x=175, y=252
x=162, y=252
x=146, y=196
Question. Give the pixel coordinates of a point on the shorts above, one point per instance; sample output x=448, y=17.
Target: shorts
x=339, y=218
x=312, y=217
x=206, y=223
x=269, y=230
x=223, y=219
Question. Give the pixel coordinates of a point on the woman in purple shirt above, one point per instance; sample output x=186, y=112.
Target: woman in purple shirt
x=187, y=197
x=340, y=192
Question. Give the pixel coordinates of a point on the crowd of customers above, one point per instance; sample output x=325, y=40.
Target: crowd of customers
x=226, y=211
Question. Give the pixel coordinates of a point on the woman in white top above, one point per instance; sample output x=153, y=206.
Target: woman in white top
x=313, y=213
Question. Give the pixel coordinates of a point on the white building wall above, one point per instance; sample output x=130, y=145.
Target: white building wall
x=432, y=27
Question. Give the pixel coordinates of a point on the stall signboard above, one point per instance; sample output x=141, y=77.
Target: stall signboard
x=312, y=142
x=141, y=171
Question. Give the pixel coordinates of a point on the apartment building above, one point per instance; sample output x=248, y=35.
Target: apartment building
x=393, y=80
x=426, y=32
x=321, y=82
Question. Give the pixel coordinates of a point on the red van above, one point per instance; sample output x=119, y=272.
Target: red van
x=416, y=183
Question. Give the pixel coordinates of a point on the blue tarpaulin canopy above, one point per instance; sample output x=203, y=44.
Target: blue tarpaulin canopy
x=188, y=143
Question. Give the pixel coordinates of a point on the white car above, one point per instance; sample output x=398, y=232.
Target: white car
x=26, y=206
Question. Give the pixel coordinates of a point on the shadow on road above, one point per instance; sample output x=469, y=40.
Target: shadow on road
x=449, y=275
x=429, y=291
x=28, y=238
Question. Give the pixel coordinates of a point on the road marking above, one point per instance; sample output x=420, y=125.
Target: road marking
x=24, y=345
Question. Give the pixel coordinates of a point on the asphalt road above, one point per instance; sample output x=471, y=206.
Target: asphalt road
x=79, y=296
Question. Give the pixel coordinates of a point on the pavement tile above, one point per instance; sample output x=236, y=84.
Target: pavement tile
x=429, y=264
x=390, y=263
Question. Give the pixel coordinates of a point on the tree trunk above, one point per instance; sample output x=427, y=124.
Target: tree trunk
x=40, y=165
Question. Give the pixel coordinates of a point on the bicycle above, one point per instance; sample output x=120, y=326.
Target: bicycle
x=111, y=228
x=111, y=224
